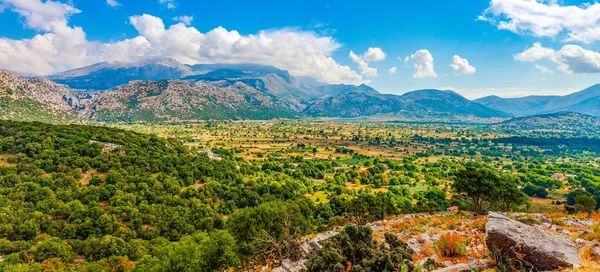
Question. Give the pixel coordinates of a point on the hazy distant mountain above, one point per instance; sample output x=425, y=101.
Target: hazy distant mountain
x=267, y=79
x=573, y=122
x=589, y=106
x=585, y=101
x=105, y=75
x=339, y=89
x=419, y=105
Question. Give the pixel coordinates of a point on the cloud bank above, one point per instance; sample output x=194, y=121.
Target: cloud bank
x=61, y=47
x=570, y=59
x=546, y=18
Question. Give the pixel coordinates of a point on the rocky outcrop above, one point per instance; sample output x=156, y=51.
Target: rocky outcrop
x=530, y=245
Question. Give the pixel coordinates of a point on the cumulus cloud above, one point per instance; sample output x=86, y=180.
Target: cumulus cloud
x=461, y=67
x=392, y=70
x=186, y=20
x=170, y=4
x=570, y=58
x=374, y=54
x=546, y=18
x=423, y=63
x=363, y=65
x=535, y=53
x=43, y=16
x=113, y=3
x=60, y=47
x=543, y=69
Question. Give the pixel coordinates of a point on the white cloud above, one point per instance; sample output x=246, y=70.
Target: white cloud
x=43, y=16
x=570, y=58
x=113, y=3
x=461, y=67
x=186, y=20
x=363, y=65
x=170, y=4
x=392, y=70
x=60, y=47
x=536, y=52
x=543, y=69
x=423, y=62
x=374, y=54
x=546, y=18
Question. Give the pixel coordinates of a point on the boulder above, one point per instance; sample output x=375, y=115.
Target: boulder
x=541, y=218
x=585, y=232
x=425, y=238
x=533, y=246
x=415, y=247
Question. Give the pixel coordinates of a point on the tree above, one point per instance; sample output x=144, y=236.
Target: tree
x=585, y=203
x=476, y=184
x=574, y=194
x=507, y=195
x=370, y=207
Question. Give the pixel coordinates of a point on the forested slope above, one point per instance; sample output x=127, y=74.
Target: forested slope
x=101, y=199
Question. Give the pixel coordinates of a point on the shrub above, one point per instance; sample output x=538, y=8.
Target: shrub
x=595, y=235
x=450, y=244
x=528, y=221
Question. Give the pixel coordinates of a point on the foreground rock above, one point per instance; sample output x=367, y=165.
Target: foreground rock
x=528, y=244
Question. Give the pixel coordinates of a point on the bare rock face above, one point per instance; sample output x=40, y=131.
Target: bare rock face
x=531, y=245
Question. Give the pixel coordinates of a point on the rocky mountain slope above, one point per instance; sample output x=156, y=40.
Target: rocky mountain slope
x=35, y=99
x=535, y=242
x=586, y=101
x=419, y=105
x=249, y=91
x=175, y=100
x=168, y=100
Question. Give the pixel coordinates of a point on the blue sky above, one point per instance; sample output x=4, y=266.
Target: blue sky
x=315, y=38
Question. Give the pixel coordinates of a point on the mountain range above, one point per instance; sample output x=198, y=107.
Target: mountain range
x=432, y=105
x=158, y=90
x=586, y=101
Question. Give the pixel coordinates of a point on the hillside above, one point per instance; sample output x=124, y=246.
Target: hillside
x=153, y=101
x=94, y=198
x=35, y=100
x=416, y=105
x=585, y=101
x=571, y=122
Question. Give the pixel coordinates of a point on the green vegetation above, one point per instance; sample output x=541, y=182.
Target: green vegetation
x=483, y=186
x=355, y=250
x=236, y=195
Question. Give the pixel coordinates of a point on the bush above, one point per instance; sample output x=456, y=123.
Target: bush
x=528, y=221
x=450, y=244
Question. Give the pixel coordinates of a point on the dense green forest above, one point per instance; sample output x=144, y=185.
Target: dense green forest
x=85, y=198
